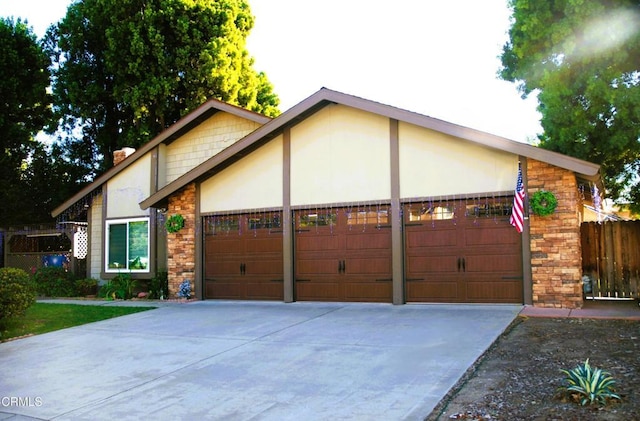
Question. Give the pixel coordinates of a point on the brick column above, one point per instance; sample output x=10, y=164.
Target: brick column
x=556, y=256
x=181, y=245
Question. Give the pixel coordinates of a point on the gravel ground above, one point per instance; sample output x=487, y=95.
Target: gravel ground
x=519, y=377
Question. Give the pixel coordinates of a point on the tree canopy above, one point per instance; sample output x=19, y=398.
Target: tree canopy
x=582, y=58
x=126, y=70
x=24, y=111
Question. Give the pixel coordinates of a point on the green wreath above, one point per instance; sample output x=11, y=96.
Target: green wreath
x=175, y=223
x=543, y=203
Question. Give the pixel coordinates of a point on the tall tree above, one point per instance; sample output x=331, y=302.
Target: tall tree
x=582, y=57
x=127, y=69
x=24, y=111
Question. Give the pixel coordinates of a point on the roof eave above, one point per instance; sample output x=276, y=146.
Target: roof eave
x=188, y=122
x=326, y=96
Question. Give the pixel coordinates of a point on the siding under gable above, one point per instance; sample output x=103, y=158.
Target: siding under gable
x=95, y=238
x=201, y=143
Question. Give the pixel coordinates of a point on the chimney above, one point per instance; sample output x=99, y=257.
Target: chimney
x=121, y=154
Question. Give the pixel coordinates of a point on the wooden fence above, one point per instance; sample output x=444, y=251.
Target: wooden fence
x=611, y=258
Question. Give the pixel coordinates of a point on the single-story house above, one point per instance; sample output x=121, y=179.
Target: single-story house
x=338, y=199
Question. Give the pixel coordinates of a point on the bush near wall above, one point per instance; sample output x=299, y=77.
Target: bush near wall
x=17, y=293
x=55, y=282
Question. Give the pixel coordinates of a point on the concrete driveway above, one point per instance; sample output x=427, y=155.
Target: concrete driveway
x=223, y=360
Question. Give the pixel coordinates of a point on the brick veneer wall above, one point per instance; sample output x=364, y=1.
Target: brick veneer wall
x=556, y=257
x=181, y=245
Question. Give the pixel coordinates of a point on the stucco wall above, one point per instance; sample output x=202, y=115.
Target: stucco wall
x=340, y=154
x=201, y=143
x=556, y=255
x=436, y=164
x=128, y=188
x=254, y=182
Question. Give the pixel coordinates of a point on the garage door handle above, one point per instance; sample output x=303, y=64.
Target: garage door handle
x=413, y=224
x=303, y=280
x=414, y=279
x=459, y=264
x=512, y=277
x=277, y=280
x=384, y=280
x=384, y=226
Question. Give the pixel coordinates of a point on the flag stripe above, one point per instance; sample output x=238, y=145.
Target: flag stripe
x=517, y=212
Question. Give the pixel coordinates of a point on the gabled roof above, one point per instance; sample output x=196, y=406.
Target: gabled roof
x=182, y=126
x=324, y=97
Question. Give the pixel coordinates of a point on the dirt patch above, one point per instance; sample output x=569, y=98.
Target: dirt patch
x=519, y=376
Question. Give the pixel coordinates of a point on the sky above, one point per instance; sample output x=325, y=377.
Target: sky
x=434, y=57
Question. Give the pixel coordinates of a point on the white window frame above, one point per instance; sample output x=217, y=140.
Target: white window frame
x=126, y=268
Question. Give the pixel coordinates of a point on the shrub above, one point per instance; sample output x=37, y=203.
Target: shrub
x=17, y=292
x=122, y=287
x=54, y=281
x=590, y=385
x=159, y=285
x=88, y=286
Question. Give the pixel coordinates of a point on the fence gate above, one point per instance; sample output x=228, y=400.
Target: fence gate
x=611, y=258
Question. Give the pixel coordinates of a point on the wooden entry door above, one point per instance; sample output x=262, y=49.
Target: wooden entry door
x=343, y=255
x=463, y=251
x=243, y=257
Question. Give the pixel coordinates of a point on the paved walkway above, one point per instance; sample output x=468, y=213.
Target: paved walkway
x=223, y=360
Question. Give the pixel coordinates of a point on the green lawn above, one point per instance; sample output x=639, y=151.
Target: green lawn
x=43, y=317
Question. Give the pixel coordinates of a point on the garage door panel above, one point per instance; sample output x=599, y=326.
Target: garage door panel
x=265, y=290
x=221, y=267
x=437, y=291
x=309, y=242
x=224, y=245
x=494, y=236
x=372, y=241
x=225, y=290
x=269, y=268
x=345, y=260
x=380, y=266
x=245, y=262
x=432, y=264
x=429, y=237
x=476, y=259
x=318, y=291
x=494, y=264
x=490, y=291
x=368, y=292
x=319, y=266
x=264, y=245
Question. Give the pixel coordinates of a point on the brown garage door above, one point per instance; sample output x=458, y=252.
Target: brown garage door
x=343, y=254
x=463, y=251
x=243, y=257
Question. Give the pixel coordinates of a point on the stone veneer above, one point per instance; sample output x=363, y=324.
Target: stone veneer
x=181, y=246
x=556, y=257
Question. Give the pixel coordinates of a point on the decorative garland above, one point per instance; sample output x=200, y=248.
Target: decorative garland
x=543, y=203
x=175, y=223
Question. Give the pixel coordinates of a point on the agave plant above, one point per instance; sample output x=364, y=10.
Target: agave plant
x=592, y=384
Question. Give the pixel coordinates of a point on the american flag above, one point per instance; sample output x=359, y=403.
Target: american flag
x=517, y=213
